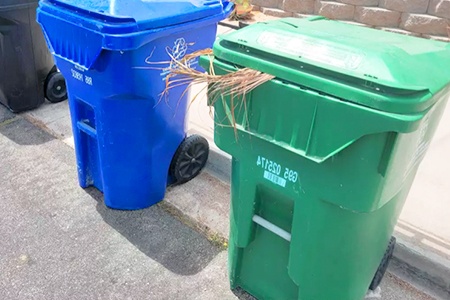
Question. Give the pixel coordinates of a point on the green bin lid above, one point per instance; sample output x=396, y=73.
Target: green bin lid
x=383, y=70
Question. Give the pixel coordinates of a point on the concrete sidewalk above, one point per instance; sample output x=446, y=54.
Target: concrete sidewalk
x=59, y=241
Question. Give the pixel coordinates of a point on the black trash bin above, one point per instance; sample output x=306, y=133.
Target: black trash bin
x=27, y=71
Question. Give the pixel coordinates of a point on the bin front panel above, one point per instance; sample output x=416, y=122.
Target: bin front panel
x=331, y=245
x=116, y=58
x=332, y=174
x=126, y=133
x=333, y=252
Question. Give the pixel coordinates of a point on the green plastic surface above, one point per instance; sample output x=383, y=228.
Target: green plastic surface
x=331, y=172
x=383, y=70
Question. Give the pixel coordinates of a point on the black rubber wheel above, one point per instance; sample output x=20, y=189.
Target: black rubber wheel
x=383, y=265
x=190, y=158
x=55, y=88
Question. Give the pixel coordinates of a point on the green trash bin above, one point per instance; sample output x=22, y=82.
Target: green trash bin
x=324, y=155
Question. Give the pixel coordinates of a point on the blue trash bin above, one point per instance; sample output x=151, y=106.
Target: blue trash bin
x=110, y=52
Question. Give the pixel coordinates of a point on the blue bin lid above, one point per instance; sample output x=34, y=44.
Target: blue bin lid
x=128, y=16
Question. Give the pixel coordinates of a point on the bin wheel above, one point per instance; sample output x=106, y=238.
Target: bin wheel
x=383, y=265
x=190, y=158
x=55, y=87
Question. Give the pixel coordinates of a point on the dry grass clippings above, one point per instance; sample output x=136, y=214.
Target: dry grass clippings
x=234, y=85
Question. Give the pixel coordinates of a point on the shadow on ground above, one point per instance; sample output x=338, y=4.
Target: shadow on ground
x=242, y=295
x=5, y=114
x=18, y=130
x=160, y=236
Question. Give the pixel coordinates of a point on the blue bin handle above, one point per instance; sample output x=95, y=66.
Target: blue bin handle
x=227, y=7
x=84, y=47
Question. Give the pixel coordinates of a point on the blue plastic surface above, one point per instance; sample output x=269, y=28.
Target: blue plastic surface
x=126, y=16
x=93, y=35
x=125, y=134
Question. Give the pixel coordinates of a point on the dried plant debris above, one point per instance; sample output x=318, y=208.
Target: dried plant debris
x=233, y=85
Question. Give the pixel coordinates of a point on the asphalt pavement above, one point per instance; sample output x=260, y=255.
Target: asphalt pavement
x=59, y=241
